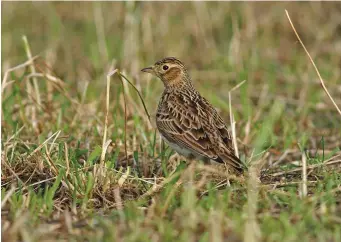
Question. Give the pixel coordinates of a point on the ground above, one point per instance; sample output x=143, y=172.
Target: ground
x=61, y=180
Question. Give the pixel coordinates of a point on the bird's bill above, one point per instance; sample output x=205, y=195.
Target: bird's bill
x=148, y=70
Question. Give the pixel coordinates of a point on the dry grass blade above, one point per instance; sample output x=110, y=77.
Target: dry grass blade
x=125, y=119
x=42, y=144
x=311, y=60
x=14, y=135
x=124, y=177
x=50, y=161
x=59, y=85
x=4, y=80
x=54, y=140
x=118, y=199
x=105, y=144
x=233, y=123
x=157, y=187
x=67, y=159
x=7, y=196
x=33, y=70
x=304, y=175
x=252, y=230
x=311, y=167
x=233, y=127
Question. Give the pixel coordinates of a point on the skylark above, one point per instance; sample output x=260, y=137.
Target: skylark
x=187, y=121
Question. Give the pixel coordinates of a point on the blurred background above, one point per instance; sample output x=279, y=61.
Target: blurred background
x=222, y=43
x=80, y=39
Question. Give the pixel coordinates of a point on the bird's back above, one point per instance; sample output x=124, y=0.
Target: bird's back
x=187, y=120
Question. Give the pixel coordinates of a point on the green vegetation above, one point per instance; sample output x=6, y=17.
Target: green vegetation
x=54, y=185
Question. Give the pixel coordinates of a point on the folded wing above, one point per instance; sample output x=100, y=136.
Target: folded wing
x=191, y=122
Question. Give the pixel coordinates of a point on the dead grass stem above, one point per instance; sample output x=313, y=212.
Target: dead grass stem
x=312, y=62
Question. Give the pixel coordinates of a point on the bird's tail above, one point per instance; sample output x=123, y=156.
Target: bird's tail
x=233, y=162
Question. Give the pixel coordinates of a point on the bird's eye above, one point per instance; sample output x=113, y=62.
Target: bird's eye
x=165, y=67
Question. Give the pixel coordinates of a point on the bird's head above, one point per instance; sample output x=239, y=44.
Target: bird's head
x=170, y=70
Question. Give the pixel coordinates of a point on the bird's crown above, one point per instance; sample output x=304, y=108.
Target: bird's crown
x=171, y=71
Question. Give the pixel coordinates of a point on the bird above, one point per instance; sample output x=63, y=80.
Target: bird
x=187, y=122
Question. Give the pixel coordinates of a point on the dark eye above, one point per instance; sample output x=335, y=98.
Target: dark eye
x=165, y=67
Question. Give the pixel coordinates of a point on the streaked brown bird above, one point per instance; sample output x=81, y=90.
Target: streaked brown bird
x=187, y=121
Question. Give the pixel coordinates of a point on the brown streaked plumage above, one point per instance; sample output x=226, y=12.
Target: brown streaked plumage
x=187, y=121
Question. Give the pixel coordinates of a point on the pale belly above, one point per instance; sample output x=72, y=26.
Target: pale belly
x=185, y=152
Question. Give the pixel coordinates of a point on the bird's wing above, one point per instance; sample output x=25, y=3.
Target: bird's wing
x=191, y=122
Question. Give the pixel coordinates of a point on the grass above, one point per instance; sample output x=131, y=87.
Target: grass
x=61, y=179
